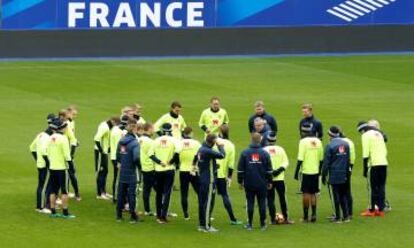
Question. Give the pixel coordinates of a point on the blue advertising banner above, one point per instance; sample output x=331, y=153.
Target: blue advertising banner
x=147, y=14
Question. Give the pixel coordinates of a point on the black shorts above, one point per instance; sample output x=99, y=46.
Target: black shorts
x=310, y=184
x=59, y=181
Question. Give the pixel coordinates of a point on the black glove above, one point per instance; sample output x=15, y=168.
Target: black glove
x=278, y=171
x=72, y=151
x=98, y=145
x=323, y=180
x=365, y=172
x=34, y=154
x=46, y=161
x=298, y=165
x=296, y=177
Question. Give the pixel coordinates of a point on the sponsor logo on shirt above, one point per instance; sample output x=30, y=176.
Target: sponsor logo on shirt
x=176, y=126
x=163, y=143
x=255, y=157
x=216, y=122
x=272, y=151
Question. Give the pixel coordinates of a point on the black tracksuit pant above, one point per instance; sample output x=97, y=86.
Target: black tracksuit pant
x=261, y=195
x=127, y=190
x=280, y=188
x=149, y=184
x=185, y=180
x=43, y=188
x=206, y=198
x=349, y=199
x=101, y=168
x=340, y=200
x=115, y=180
x=221, y=184
x=377, y=179
x=164, y=184
x=73, y=179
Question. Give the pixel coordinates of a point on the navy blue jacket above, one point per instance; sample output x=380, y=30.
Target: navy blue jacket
x=316, y=126
x=255, y=168
x=264, y=133
x=129, y=157
x=271, y=122
x=206, y=162
x=336, y=162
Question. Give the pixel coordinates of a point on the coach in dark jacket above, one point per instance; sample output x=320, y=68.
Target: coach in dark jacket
x=336, y=165
x=128, y=157
x=255, y=176
x=311, y=120
x=260, y=112
x=261, y=128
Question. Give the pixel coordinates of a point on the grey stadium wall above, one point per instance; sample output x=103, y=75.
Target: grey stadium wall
x=202, y=42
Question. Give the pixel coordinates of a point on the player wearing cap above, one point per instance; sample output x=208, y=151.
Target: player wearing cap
x=166, y=149
x=38, y=148
x=116, y=134
x=280, y=163
x=336, y=165
x=102, y=148
x=189, y=148
x=255, y=177
x=213, y=117
x=374, y=153
x=174, y=119
x=309, y=119
x=59, y=160
x=310, y=158
x=225, y=171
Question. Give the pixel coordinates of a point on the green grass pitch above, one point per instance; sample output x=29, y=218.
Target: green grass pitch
x=343, y=90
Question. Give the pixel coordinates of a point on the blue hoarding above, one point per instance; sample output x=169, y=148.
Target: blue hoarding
x=147, y=14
